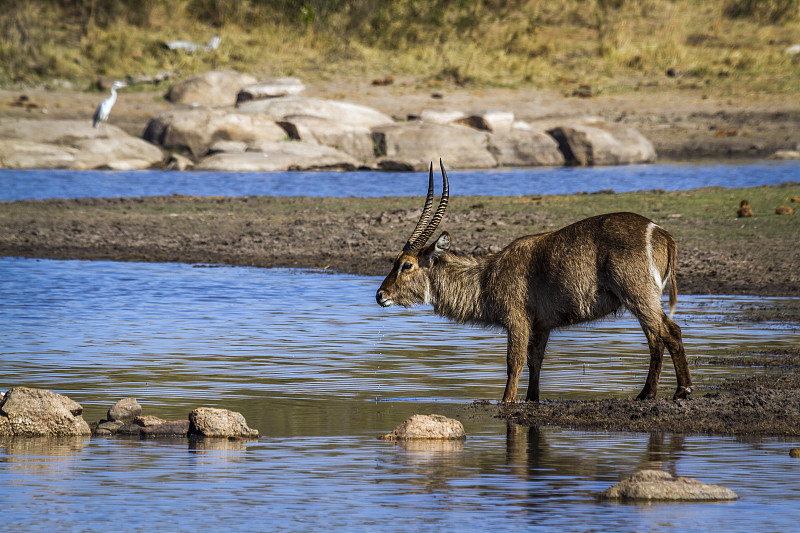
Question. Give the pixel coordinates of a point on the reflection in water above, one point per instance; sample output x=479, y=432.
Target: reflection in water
x=321, y=371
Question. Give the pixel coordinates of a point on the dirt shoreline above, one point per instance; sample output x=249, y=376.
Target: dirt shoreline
x=683, y=125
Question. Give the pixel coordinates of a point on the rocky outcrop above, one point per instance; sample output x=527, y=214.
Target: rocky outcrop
x=211, y=422
x=525, y=147
x=195, y=130
x=355, y=140
x=413, y=145
x=72, y=144
x=277, y=156
x=272, y=88
x=215, y=88
x=427, y=427
x=493, y=121
x=344, y=112
x=201, y=422
x=663, y=486
x=597, y=142
x=27, y=412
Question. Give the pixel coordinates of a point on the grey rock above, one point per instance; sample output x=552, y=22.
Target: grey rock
x=215, y=88
x=72, y=144
x=493, y=121
x=415, y=144
x=227, y=147
x=427, y=427
x=124, y=410
x=272, y=88
x=196, y=130
x=279, y=156
x=355, y=140
x=597, y=142
x=212, y=422
x=524, y=148
x=343, y=112
x=441, y=116
x=660, y=485
x=172, y=429
x=35, y=412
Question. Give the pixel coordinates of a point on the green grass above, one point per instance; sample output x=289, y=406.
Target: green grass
x=733, y=47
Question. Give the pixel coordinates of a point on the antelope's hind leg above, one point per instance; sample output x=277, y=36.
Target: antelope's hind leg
x=536, y=347
x=656, y=359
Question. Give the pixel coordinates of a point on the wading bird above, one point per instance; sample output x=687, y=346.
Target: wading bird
x=104, y=109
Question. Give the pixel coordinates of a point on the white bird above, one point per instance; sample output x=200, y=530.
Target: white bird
x=104, y=109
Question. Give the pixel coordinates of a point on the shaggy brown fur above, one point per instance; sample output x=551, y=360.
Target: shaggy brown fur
x=542, y=282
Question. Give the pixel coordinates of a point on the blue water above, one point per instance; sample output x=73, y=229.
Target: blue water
x=40, y=184
x=320, y=370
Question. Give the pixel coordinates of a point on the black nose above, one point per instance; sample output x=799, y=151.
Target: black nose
x=379, y=296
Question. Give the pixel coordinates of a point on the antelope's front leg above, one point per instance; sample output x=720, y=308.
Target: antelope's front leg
x=516, y=353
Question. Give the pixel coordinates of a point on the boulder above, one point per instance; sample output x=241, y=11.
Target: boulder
x=493, y=121
x=344, y=112
x=211, y=422
x=660, y=485
x=279, y=156
x=352, y=139
x=273, y=88
x=597, y=142
x=523, y=147
x=227, y=147
x=124, y=410
x=441, y=116
x=413, y=145
x=73, y=144
x=195, y=130
x=27, y=412
x=427, y=427
x=171, y=429
x=785, y=155
x=215, y=88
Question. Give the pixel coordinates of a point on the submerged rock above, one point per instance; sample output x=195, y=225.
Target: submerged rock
x=212, y=422
x=660, y=485
x=28, y=412
x=124, y=410
x=427, y=427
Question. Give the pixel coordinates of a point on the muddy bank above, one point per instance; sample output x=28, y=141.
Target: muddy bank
x=718, y=253
x=764, y=404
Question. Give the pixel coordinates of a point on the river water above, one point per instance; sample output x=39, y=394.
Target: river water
x=321, y=370
x=39, y=184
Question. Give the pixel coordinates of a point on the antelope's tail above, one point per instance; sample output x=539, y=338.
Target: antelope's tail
x=672, y=255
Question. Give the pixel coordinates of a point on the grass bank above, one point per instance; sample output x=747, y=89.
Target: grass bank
x=732, y=47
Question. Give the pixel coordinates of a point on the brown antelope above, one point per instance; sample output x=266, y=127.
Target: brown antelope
x=547, y=281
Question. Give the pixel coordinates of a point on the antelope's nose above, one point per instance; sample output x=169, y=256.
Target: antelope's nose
x=383, y=299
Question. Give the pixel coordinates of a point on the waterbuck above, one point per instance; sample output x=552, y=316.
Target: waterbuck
x=547, y=281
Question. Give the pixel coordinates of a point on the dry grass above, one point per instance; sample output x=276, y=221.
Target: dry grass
x=731, y=47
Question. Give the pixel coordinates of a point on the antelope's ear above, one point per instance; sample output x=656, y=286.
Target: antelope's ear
x=439, y=247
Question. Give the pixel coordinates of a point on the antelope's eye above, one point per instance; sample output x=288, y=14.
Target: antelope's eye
x=406, y=266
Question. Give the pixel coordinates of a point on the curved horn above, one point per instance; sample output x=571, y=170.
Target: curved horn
x=437, y=217
x=425, y=217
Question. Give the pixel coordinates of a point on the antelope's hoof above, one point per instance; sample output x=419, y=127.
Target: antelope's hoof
x=682, y=393
x=646, y=395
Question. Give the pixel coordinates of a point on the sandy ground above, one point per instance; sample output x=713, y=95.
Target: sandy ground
x=683, y=125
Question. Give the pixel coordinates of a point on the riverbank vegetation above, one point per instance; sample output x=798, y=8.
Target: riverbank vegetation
x=731, y=47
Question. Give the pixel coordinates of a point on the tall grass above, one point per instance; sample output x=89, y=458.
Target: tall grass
x=734, y=46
